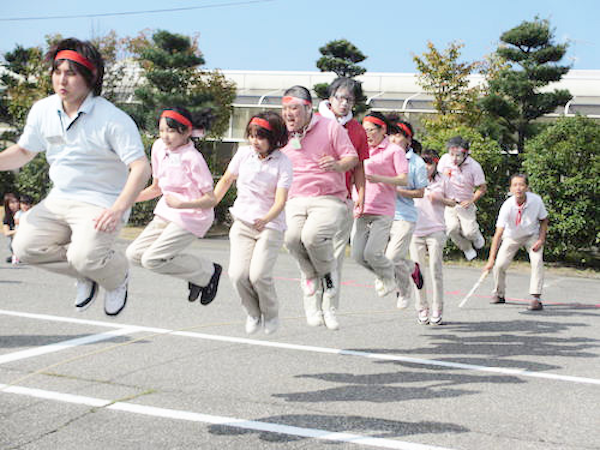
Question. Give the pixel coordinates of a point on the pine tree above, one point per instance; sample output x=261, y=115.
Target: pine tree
x=341, y=57
x=514, y=93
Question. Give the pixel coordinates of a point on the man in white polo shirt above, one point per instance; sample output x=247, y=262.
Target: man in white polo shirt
x=522, y=222
x=97, y=167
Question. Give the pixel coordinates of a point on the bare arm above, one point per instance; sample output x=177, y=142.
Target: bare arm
x=494, y=248
x=139, y=172
x=410, y=193
x=330, y=164
x=542, y=238
x=280, y=200
x=14, y=157
x=398, y=180
x=223, y=185
x=7, y=231
x=479, y=192
x=359, y=182
x=150, y=192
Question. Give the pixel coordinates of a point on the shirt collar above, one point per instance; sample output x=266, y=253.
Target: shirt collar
x=86, y=107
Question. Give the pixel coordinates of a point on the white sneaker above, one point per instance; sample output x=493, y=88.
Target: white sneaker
x=309, y=285
x=379, y=288
x=401, y=302
x=436, y=318
x=314, y=318
x=115, y=300
x=252, y=324
x=271, y=325
x=423, y=317
x=330, y=319
x=470, y=254
x=479, y=242
x=87, y=291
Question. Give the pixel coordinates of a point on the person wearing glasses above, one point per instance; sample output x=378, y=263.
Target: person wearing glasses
x=343, y=93
x=321, y=153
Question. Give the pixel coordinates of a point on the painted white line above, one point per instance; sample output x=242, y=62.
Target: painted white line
x=63, y=345
x=333, y=351
x=174, y=414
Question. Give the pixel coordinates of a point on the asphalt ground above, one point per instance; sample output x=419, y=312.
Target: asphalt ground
x=169, y=374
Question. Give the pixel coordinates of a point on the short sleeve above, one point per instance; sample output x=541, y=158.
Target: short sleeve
x=543, y=213
x=234, y=165
x=286, y=173
x=421, y=179
x=478, y=175
x=342, y=145
x=200, y=173
x=503, y=215
x=124, y=138
x=400, y=162
x=32, y=139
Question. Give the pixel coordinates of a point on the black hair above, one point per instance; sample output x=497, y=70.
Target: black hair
x=277, y=136
x=457, y=141
x=393, y=127
x=298, y=91
x=27, y=199
x=416, y=146
x=379, y=116
x=345, y=83
x=431, y=156
x=202, y=119
x=9, y=215
x=519, y=175
x=93, y=78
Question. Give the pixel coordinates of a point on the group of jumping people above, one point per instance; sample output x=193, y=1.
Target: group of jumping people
x=311, y=182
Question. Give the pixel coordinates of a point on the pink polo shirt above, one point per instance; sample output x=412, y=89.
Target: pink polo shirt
x=323, y=137
x=183, y=173
x=462, y=180
x=257, y=182
x=431, y=209
x=389, y=160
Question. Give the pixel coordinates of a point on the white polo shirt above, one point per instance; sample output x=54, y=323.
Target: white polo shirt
x=88, y=154
x=533, y=211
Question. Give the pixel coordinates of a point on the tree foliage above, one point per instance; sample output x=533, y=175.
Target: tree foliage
x=514, y=96
x=442, y=75
x=563, y=164
x=341, y=57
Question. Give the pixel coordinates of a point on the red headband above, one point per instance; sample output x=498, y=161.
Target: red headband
x=291, y=99
x=261, y=123
x=72, y=55
x=375, y=120
x=177, y=117
x=405, y=129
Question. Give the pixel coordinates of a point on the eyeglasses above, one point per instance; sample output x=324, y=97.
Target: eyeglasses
x=342, y=98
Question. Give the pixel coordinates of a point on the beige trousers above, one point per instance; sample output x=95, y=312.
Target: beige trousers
x=160, y=248
x=370, y=235
x=462, y=226
x=397, y=250
x=58, y=235
x=340, y=243
x=251, y=265
x=508, y=250
x=432, y=245
x=312, y=222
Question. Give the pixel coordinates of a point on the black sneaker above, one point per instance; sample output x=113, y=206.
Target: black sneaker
x=209, y=292
x=496, y=300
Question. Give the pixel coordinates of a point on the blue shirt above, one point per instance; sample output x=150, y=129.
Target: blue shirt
x=417, y=179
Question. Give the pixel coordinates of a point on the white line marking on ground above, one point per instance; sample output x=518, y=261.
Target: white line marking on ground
x=326, y=350
x=63, y=345
x=219, y=420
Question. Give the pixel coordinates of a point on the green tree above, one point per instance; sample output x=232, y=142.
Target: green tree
x=514, y=93
x=563, y=164
x=341, y=57
x=442, y=75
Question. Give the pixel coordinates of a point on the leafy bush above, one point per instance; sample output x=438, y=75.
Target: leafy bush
x=563, y=164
